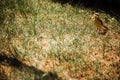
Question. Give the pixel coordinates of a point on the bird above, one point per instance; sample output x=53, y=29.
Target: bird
x=99, y=24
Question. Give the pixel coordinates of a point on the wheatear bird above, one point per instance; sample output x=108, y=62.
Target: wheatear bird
x=99, y=24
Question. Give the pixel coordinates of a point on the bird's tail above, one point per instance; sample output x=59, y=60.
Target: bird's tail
x=104, y=30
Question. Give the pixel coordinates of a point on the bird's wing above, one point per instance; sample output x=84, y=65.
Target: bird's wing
x=100, y=21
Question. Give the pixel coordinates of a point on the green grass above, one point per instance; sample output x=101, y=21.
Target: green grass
x=62, y=39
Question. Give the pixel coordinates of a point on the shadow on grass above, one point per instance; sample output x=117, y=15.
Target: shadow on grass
x=111, y=7
x=15, y=63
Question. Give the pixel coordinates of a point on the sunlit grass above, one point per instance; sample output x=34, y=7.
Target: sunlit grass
x=62, y=39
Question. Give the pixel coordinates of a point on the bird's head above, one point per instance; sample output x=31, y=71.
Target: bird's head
x=95, y=15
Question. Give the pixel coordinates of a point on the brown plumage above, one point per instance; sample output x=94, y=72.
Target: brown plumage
x=99, y=24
